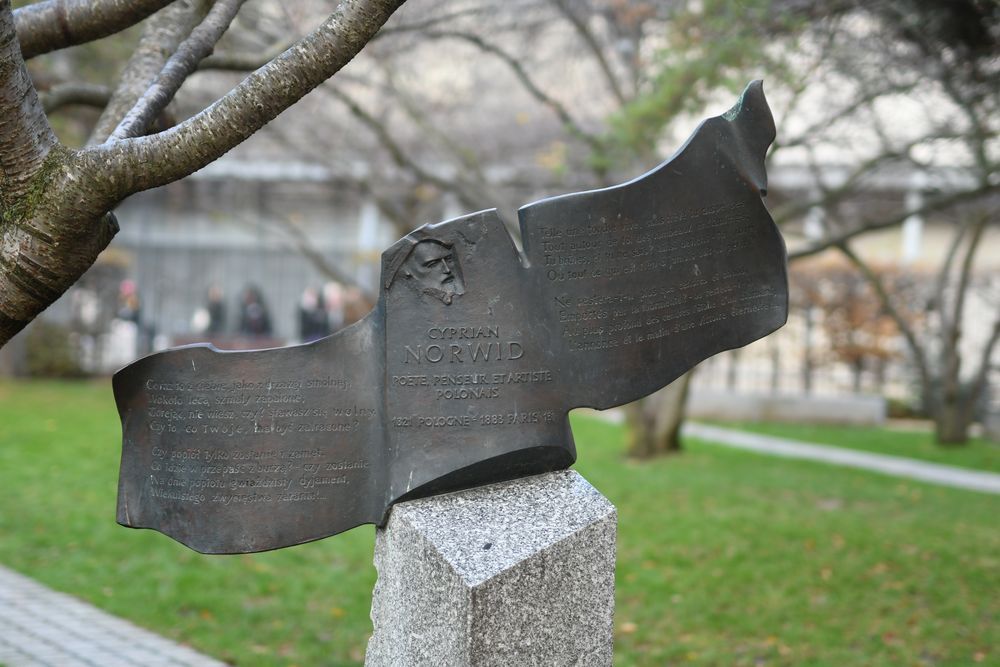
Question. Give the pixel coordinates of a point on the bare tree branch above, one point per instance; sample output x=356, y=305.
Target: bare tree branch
x=388, y=142
x=951, y=359
x=588, y=38
x=90, y=95
x=526, y=81
x=25, y=135
x=966, y=271
x=244, y=62
x=147, y=162
x=979, y=133
x=48, y=241
x=470, y=184
x=937, y=204
x=919, y=355
x=68, y=94
x=303, y=245
x=985, y=360
x=161, y=36
x=844, y=112
x=431, y=22
x=199, y=44
x=56, y=24
x=474, y=196
x=389, y=207
x=849, y=185
x=942, y=280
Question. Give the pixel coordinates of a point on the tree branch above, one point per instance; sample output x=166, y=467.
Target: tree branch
x=68, y=94
x=470, y=184
x=302, y=244
x=161, y=36
x=388, y=142
x=588, y=38
x=979, y=383
x=526, y=81
x=244, y=62
x=965, y=273
x=875, y=225
x=426, y=24
x=919, y=355
x=844, y=112
x=25, y=135
x=199, y=44
x=131, y=165
x=951, y=359
x=849, y=184
x=56, y=24
x=937, y=302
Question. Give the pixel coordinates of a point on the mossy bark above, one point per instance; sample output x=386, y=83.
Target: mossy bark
x=48, y=238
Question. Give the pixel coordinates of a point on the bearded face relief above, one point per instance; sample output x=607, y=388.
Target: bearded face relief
x=434, y=268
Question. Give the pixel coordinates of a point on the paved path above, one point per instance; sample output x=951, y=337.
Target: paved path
x=42, y=628
x=934, y=473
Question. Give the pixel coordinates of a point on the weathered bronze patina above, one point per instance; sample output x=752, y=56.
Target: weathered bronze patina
x=464, y=372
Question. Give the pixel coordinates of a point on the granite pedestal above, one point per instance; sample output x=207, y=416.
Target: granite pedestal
x=518, y=573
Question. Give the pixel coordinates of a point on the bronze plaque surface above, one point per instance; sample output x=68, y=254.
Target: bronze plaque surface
x=464, y=372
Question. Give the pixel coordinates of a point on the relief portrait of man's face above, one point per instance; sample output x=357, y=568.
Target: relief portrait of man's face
x=434, y=267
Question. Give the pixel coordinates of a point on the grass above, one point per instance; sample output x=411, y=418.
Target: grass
x=725, y=558
x=978, y=454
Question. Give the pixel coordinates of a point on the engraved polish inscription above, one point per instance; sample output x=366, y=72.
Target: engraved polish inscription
x=184, y=468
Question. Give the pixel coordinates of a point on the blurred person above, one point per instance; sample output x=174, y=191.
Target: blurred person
x=124, y=338
x=211, y=318
x=333, y=302
x=313, y=317
x=254, y=318
x=216, y=308
x=356, y=306
x=128, y=302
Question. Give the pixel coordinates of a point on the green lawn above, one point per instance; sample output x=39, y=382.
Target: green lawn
x=725, y=558
x=978, y=453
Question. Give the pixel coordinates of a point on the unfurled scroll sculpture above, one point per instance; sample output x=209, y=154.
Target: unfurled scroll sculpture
x=464, y=372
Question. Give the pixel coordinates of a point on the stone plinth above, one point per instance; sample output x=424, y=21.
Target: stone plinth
x=518, y=573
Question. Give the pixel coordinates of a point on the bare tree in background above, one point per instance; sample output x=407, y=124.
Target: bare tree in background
x=943, y=61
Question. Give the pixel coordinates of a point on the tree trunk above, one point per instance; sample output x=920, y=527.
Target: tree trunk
x=654, y=422
x=807, y=353
x=775, y=368
x=951, y=426
x=46, y=244
x=953, y=417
